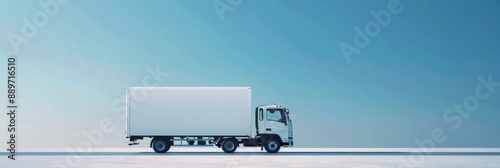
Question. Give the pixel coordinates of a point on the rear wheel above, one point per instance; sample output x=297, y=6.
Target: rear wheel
x=161, y=145
x=272, y=145
x=229, y=145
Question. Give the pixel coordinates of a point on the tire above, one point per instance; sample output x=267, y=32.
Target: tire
x=272, y=145
x=229, y=145
x=161, y=145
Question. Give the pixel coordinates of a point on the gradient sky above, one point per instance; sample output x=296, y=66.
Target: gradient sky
x=395, y=91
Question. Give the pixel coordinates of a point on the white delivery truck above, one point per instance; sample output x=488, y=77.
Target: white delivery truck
x=220, y=116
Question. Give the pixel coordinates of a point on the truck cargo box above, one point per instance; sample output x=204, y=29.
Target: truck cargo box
x=188, y=111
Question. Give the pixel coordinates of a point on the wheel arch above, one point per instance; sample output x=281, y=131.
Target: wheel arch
x=171, y=143
x=268, y=136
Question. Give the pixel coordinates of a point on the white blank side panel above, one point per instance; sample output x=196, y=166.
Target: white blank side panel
x=188, y=111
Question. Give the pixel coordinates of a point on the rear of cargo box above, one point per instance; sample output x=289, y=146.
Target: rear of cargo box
x=188, y=111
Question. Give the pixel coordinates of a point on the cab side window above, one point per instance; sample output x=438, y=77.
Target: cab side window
x=273, y=115
x=261, y=115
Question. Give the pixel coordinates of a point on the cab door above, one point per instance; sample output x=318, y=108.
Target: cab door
x=276, y=123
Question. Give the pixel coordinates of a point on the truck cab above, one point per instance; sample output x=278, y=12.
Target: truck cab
x=273, y=122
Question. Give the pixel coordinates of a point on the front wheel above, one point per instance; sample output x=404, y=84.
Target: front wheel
x=272, y=145
x=161, y=145
x=229, y=145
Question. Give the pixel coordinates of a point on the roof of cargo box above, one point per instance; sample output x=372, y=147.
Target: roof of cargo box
x=169, y=87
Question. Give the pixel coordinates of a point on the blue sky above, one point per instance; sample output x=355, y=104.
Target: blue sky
x=427, y=59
